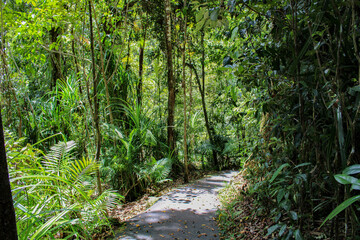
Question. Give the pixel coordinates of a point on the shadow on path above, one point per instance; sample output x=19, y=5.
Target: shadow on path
x=185, y=213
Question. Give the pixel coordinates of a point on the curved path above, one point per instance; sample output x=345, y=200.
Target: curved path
x=185, y=213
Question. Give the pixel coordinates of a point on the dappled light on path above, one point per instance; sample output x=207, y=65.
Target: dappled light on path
x=185, y=213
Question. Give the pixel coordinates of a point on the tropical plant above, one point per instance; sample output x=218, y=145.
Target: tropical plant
x=346, y=179
x=53, y=193
x=131, y=166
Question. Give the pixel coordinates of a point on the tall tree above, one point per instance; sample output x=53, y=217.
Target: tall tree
x=171, y=81
x=96, y=101
x=55, y=57
x=186, y=172
x=202, y=93
x=141, y=63
x=8, y=229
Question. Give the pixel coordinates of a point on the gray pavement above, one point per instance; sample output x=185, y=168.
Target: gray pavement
x=188, y=212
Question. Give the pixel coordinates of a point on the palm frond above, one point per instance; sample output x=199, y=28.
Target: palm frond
x=107, y=200
x=150, y=138
x=82, y=167
x=57, y=158
x=51, y=222
x=157, y=171
x=112, y=132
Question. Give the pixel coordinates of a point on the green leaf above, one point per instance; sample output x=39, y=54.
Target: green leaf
x=297, y=235
x=293, y=215
x=340, y=208
x=345, y=179
x=356, y=186
x=341, y=135
x=302, y=165
x=286, y=205
x=354, y=169
x=272, y=229
x=200, y=14
x=234, y=33
x=200, y=24
x=280, y=195
x=282, y=230
x=289, y=235
x=278, y=171
x=52, y=221
x=356, y=88
x=214, y=15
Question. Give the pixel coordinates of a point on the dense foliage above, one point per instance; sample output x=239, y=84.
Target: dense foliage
x=124, y=95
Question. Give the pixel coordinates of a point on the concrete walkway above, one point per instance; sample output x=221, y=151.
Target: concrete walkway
x=185, y=213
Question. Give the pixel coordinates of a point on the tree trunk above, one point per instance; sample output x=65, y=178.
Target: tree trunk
x=8, y=230
x=171, y=82
x=55, y=58
x=202, y=91
x=141, y=65
x=96, y=103
x=207, y=125
x=75, y=59
x=186, y=172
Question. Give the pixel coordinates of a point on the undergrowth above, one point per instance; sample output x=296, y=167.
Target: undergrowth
x=245, y=216
x=239, y=217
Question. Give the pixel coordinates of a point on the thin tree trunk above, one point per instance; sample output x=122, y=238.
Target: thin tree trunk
x=107, y=94
x=104, y=71
x=186, y=172
x=190, y=93
x=141, y=66
x=96, y=102
x=192, y=136
x=171, y=82
x=8, y=230
x=207, y=124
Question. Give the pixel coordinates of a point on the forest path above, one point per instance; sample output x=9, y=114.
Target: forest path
x=185, y=213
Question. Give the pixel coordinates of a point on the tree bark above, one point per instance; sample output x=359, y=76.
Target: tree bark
x=75, y=59
x=96, y=103
x=55, y=57
x=186, y=172
x=202, y=91
x=141, y=66
x=171, y=82
x=207, y=125
x=8, y=230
